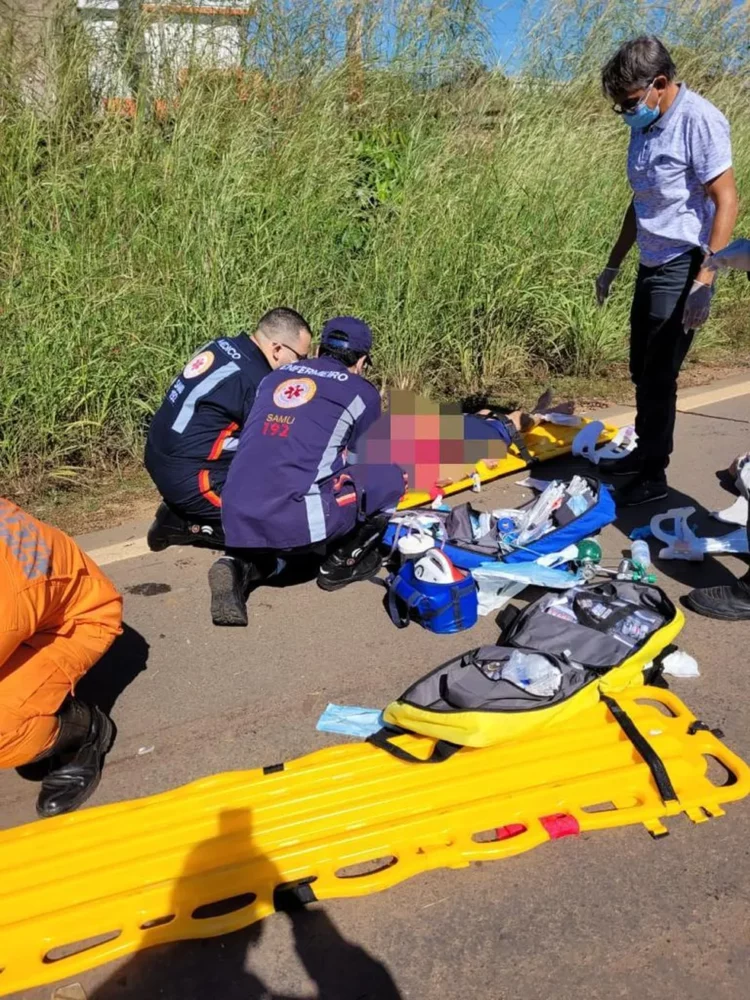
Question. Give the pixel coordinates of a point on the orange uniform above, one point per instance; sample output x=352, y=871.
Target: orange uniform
x=58, y=614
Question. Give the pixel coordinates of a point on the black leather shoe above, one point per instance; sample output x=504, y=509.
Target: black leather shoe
x=642, y=491
x=338, y=572
x=70, y=784
x=630, y=465
x=729, y=604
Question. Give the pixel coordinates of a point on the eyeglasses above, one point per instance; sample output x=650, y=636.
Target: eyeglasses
x=628, y=107
x=298, y=356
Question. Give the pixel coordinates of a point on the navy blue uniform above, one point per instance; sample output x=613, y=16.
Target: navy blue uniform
x=295, y=482
x=194, y=433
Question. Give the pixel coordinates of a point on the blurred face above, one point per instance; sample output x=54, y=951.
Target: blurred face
x=286, y=352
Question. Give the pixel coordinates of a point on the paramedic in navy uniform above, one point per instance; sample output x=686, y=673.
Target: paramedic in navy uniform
x=194, y=434
x=684, y=208
x=295, y=484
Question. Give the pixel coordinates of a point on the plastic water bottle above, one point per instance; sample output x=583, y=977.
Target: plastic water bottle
x=640, y=555
x=533, y=673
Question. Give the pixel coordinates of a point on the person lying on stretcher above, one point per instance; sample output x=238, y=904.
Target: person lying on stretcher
x=520, y=420
x=441, y=443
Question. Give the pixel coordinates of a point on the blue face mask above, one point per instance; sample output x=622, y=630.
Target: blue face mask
x=642, y=115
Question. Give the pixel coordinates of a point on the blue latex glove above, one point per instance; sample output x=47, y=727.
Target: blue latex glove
x=697, y=307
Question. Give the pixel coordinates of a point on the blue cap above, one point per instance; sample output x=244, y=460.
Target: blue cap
x=347, y=333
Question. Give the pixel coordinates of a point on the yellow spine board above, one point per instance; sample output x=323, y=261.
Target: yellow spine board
x=143, y=870
x=544, y=442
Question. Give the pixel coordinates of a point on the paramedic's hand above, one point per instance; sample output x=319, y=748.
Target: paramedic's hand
x=604, y=283
x=736, y=255
x=697, y=307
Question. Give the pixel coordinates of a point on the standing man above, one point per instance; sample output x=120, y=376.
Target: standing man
x=194, y=433
x=683, y=209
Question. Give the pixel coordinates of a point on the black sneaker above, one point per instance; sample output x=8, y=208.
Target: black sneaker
x=69, y=785
x=229, y=581
x=642, y=491
x=168, y=529
x=336, y=573
x=630, y=465
x=729, y=604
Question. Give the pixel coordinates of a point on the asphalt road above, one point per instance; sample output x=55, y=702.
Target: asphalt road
x=609, y=914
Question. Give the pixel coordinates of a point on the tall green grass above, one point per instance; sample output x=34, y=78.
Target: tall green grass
x=465, y=220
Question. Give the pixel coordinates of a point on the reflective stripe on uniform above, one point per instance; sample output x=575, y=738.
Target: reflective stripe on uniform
x=352, y=413
x=221, y=442
x=316, y=521
x=204, y=485
x=203, y=388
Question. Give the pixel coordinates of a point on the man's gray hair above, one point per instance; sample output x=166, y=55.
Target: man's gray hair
x=635, y=66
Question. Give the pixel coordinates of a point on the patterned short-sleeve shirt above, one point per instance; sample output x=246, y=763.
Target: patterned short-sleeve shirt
x=669, y=165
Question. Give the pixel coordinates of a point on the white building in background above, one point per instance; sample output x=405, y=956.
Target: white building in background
x=175, y=35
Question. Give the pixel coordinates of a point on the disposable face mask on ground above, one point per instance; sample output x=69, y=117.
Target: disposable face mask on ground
x=349, y=720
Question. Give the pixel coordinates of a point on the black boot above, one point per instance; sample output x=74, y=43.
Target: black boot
x=230, y=579
x=169, y=528
x=357, y=558
x=730, y=603
x=84, y=737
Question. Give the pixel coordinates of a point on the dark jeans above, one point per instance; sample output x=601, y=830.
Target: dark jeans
x=658, y=346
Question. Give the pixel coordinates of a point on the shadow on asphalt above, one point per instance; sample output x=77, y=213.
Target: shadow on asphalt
x=219, y=967
x=126, y=658
x=102, y=685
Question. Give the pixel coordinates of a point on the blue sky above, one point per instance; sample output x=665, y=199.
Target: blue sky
x=505, y=18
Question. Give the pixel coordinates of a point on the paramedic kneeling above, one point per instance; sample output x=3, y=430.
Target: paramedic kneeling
x=193, y=435
x=58, y=615
x=294, y=485
x=683, y=208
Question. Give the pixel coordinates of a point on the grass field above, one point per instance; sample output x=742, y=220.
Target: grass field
x=466, y=223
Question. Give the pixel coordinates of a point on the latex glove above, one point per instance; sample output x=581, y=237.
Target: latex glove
x=604, y=283
x=697, y=307
x=736, y=255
